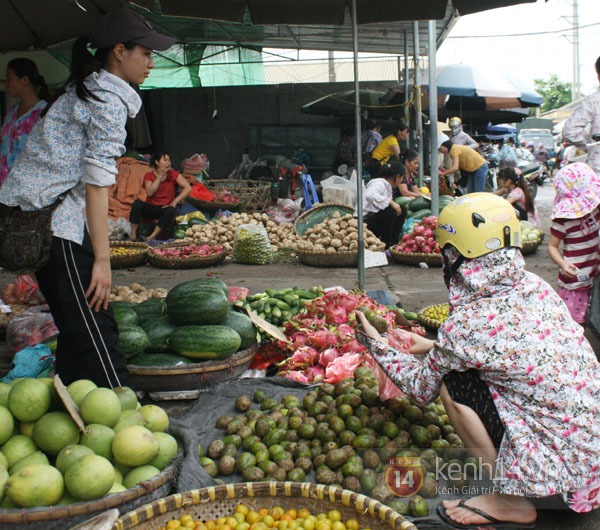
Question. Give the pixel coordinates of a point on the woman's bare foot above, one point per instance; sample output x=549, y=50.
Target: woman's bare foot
x=508, y=508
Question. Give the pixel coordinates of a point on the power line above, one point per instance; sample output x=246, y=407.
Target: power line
x=521, y=34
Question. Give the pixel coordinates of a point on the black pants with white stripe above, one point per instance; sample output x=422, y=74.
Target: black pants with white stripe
x=88, y=340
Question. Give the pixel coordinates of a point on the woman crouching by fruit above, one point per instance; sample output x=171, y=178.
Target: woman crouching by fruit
x=518, y=379
x=383, y=216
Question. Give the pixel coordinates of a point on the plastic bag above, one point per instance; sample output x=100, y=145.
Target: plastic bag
x=340, y=190
x=235, y=293
x=33, y=361
x=251, y=245
x=118, y=229
x=29, y=328
x=387, y=388
x=342, y=367
x=24, y=291
x=195, y=164
x=286, y=210
x=201, y=192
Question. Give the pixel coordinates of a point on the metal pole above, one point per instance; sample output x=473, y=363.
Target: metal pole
x=357, y=127
x=433, y=119
x=406, y=74
x=575, y=88
x=417, y=83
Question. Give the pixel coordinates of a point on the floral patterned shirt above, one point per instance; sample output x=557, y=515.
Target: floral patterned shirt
x=14, y=132
x=543, y=376
x=75, y=144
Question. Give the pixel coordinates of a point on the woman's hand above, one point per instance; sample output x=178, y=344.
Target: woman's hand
x=99, y=288
x=420, y=345
x=368, y=328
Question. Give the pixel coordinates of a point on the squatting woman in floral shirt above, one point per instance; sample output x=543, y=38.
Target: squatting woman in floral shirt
x=520, y=383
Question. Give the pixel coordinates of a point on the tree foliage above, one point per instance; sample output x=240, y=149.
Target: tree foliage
x=555, y=92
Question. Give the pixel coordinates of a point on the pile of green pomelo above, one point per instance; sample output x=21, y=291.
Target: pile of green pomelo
x=46, y=460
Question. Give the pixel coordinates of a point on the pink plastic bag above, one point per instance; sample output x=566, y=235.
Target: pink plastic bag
x=29, y=328
x=236, y=293
x=342, y=367
x=387, y=388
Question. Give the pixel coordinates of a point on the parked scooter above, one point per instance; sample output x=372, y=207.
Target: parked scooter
x=534, y=174
x=492, y=155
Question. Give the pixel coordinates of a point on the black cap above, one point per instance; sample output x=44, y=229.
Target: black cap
x=128, y=26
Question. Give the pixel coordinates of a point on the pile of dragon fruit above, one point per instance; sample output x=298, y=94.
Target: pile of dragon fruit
x=422, y=238
x=188, y=251
x=323, y=346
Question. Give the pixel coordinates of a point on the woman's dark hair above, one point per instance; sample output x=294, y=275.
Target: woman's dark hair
x=22, y=67
x=509, y=173
x=156, y=158
x=372, y=124
x=408, y=155
x=597, y=65
x=402, y=126
x=347, y=131
x=391, y=169
x=447, y=144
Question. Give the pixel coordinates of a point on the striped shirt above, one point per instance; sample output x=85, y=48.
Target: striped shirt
x=580, y=241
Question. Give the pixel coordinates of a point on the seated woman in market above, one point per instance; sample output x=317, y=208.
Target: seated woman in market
x=382, y=215
x=519, y=381
x=161, y=185
x=408, y=187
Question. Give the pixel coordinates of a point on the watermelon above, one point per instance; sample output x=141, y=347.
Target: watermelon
x=211, y=281
x=133, y=340
x=178, y=233
x=125, y=315
x=244, y=326
x=419, y=203
x=159, y=359
x=158, y=330
x=197, y=304
x=150, y=309
x=115, y=304
x=196, y=221
x=425, y=212
x=403, y=201
x=204, y=342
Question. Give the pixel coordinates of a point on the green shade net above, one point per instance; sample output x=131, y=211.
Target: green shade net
x=195, y=65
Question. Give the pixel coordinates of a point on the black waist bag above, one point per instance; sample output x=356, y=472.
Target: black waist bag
x=25, y=237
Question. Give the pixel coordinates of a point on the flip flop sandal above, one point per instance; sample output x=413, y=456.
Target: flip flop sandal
x=493, y=522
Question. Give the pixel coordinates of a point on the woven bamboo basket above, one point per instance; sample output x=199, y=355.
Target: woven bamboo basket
x=426, y=321
x=317, y=214
x=530, y=247
x=193, y=262
x=64, y=517
x=214, y=502
x=214, y=206
x=328, y=259
x=133, y=259
x=254, y=195
x=414, y=258
x=190, y=376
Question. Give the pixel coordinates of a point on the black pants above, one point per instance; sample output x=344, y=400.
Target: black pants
x=468, y=389
x=88, y=340
x=143, y=210
x=386, y=225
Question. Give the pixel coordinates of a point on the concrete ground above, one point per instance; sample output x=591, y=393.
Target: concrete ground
x=414, y=287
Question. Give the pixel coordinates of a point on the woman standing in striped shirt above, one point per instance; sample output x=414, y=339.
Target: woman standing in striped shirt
x=575, y=222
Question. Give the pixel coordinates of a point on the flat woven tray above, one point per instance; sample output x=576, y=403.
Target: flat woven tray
x=426, y=321
x=254, y=195
x=64, y=517
x=328, y=259
x=529, y=247
x=133, y=259
x=213, y=206
x=190, y=376
x=409, y=258
x=211, y=503
x=317, y=214
x=194, y=262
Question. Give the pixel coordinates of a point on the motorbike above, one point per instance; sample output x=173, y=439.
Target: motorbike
x=534, y=174
x=492, y=155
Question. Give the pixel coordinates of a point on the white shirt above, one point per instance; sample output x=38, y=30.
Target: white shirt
x=378, y=195
x=584, y=122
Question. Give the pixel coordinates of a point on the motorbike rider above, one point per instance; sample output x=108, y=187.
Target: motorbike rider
x=523, y=153
x=459, y=136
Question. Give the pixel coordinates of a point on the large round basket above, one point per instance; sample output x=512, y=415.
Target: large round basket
x=426, y=321
x=254, y=195
x=134, y=258
x=194, y=376
x=192, y=262
x=328, y=259
x=317, y=214
x=211, y=503
x=64, y=517
x=214, y=206
x=414, y=258
x=529, y=247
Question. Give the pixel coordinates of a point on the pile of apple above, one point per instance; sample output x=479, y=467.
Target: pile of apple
x=422, y=238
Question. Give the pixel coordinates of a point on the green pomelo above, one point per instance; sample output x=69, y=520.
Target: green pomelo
x=35, y=485
x=3, y=461
x=167, y=450
x=129, y=417
x=118, y=475
x=99, y=439
x=53, y=431
x=7, y=504
x=34, y=458
x=155, y=418
x=79, y=389
x=55, y=402
x=4, y=390
x=66, y=499
x=127, y=397
x=17, y=447
x=139, y=474
x=89, y=478
x=117, y=487
x=29, y=399
x=26, y=428
x=7, y=424
x=3, y=481
x=134, y=446
x=101, y=406
x=70, y=454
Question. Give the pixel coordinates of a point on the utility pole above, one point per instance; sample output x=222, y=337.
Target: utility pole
x=575, y=89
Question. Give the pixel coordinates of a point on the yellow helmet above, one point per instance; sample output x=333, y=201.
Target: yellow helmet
x=454, y=121
x=477, y=224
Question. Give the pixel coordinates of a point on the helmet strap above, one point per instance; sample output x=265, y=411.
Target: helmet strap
x=450, y=269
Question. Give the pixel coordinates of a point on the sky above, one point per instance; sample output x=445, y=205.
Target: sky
x=529, y=56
